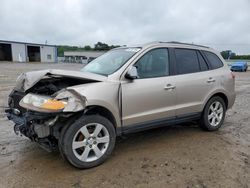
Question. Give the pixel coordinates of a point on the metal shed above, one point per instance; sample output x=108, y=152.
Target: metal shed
x=27, y=52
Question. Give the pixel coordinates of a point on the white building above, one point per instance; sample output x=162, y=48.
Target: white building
x=27, y=52
x=81, y=56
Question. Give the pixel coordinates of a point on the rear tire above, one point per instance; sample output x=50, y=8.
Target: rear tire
x=88, y=142
x=213, y=114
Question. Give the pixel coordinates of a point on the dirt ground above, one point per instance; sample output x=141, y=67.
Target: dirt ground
x=177, y=156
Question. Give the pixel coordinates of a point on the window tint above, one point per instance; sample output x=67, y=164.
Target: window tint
x=154, y=63
x=203, y=63
x=214, y=60
x=187, y=61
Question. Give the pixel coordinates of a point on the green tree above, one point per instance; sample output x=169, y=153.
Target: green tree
x=228, y=54
x=87, y=48
x=98, y=46
x=63, y=48
x=114, y=46
x=101, y=46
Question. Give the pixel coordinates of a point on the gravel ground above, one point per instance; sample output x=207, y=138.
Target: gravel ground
x=177, y=156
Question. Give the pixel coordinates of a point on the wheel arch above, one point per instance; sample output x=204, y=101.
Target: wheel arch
x=103, y=111
x=219, y=94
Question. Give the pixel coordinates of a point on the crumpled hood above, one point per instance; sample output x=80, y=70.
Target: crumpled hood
x=26, y=80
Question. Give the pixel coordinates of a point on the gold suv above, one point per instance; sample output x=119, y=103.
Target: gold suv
x=127, y=89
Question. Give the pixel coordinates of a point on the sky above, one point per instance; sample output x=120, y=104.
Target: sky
x=221, y=24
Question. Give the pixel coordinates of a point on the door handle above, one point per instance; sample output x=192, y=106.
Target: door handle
x=210, y=80
x=169, y=87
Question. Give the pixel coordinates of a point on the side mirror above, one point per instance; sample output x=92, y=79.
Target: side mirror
x=132, y=73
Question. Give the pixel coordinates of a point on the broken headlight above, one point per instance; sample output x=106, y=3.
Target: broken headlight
x=42, y=103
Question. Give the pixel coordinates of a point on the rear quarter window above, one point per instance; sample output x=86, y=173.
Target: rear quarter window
x=203, y=64
x=214, y=60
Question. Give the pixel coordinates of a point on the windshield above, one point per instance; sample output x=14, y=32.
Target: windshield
x=110, y=62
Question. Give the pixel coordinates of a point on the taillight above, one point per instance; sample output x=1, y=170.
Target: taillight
x=232, y=75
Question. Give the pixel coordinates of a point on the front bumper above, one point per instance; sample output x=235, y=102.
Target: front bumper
x=32, y=125
x=24, y=123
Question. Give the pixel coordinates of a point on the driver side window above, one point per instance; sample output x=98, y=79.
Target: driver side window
x=154, y=63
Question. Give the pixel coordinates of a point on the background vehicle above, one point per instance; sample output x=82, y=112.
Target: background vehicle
x=126, y=90
x=239, y=66
x=90, y=59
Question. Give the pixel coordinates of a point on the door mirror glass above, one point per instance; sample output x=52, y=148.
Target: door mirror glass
x=132, y=73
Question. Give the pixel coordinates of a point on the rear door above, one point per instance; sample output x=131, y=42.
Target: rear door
x=193, y=81
x=152, y=96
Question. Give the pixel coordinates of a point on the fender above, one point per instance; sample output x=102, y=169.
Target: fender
x=216, y=91
x=103, y=94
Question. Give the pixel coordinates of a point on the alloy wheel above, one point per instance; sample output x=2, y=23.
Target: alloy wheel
x=90, y=142
x=215, y=113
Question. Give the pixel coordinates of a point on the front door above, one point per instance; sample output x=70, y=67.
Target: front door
x=151, y=97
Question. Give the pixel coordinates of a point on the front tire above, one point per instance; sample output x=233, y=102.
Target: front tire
x=88, y=142
x=213, y=114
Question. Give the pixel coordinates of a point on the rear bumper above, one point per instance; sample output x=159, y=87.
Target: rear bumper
x=231, y=100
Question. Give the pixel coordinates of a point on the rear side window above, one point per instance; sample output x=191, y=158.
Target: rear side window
x=203, y=63
x=214, y=60
x=187, y=61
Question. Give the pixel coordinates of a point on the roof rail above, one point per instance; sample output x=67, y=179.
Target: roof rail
x=189, y=44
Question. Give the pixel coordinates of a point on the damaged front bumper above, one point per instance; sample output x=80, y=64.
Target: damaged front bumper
x=38, y=127
x=42, y=126
x=24, y=122
x=42, y=102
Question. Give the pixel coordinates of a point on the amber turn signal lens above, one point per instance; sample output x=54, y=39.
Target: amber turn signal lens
x=53, y=105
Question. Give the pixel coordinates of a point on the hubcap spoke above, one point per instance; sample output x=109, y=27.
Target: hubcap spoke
x=98, y=128
x=85, y=131
x=85, y=154
x=210, y=116
x=213, y=121
x=211, y=108
x=220, y=110
x=217, y=118
x=217, y=104
x=78, y=144
x=104, y=139
x=97, y=151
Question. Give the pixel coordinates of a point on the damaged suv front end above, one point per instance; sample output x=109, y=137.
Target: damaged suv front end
x=79, y=112
x=42, y=102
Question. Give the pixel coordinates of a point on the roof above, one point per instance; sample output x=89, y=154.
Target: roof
x=169, y=44
x=186, y=44
x=27, y=43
